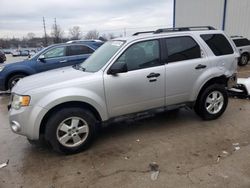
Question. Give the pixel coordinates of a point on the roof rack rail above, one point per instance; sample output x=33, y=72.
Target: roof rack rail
x=176, y=29
x=234, y=36
x=143, y=32
x=87, y=40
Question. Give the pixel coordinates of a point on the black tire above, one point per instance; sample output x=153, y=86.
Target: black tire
x=14, y=78
x=56, y=119
x=244, y=59
x=201, y=104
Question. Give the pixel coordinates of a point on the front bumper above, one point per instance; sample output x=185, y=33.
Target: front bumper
x=26, y=121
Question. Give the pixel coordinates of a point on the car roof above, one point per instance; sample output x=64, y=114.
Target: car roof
x=237, y=37
x=87, y=43
x=166, y=34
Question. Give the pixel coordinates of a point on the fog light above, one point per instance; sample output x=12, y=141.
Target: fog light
x=15, y=126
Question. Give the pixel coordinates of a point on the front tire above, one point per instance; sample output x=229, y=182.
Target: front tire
x=212, y=102
x=70, y=130
x=13, y=80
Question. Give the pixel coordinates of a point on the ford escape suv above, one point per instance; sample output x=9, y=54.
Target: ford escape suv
x=163, y=69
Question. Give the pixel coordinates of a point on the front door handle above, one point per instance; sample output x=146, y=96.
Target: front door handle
x=63, y=61
x=153, y=75
x=200, y=66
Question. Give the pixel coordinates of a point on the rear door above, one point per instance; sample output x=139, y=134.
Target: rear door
x=185, y=64
x=77, y=53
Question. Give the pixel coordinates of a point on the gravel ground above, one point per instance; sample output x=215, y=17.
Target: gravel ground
x=183, y=149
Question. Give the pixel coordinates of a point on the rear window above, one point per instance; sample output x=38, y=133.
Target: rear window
x=218, y=44
x=182, y=48
x=241, y=42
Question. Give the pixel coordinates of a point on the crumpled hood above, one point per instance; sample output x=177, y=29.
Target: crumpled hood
x=49, y=78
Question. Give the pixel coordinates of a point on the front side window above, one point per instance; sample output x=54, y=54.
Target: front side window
x=218, y=44
x=55, y=52
x=182, y=48
x=141, y=55
x=78, y=50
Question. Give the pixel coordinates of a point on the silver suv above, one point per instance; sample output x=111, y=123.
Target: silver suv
x=163, y=69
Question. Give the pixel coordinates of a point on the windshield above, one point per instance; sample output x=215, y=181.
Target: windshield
x=101, y=56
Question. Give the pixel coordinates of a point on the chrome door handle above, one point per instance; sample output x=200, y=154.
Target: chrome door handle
x=152, y=75
x=200, y=66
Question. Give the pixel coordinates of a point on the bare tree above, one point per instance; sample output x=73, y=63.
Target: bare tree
x=56, y=33
x=30, y=36
x=111, y=36
x=107, y=36
x=75, y=33
x=93, y=34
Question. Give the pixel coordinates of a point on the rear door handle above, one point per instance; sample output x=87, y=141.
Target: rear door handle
x=63, y=61
x=200, y=66
x=153, y=75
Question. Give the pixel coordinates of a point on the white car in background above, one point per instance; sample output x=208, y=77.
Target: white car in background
x=243, y=45
x=15, y=53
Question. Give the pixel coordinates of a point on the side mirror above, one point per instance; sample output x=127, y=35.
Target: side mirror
x=118, y=68
x=41, y=58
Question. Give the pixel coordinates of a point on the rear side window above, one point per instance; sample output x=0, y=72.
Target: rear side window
x=241, y=42
x=218, y=44
x=78, y=50
x=182, y=48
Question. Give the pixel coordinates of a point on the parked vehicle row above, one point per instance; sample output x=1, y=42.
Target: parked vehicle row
x=52, y=57
x=169, y=68
x=24, y=52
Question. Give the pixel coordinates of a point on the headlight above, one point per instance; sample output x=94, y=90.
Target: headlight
x=19, y=101
x=1, y=68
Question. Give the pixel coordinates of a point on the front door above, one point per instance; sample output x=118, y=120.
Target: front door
x=142, y=87
x=53, y=58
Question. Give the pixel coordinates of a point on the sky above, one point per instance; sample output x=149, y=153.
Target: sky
x=19, y=17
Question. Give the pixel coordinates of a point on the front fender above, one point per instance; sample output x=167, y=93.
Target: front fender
x=60, y=96
x=8, y=70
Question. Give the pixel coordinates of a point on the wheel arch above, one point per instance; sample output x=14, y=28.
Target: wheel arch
x=12, y=74
x=65, y=105
x=222, y=80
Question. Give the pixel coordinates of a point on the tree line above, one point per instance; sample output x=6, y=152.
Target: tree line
x=57, y=35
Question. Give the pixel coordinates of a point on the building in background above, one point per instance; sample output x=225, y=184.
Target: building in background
x=229, y=15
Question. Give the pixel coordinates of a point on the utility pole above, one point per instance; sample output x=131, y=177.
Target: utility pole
x=45, y=34
x=125, y=33
x=56, y=33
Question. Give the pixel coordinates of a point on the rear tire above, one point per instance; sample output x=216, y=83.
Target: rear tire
x=212, y=102
x=244, y=59
x=70, y=130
